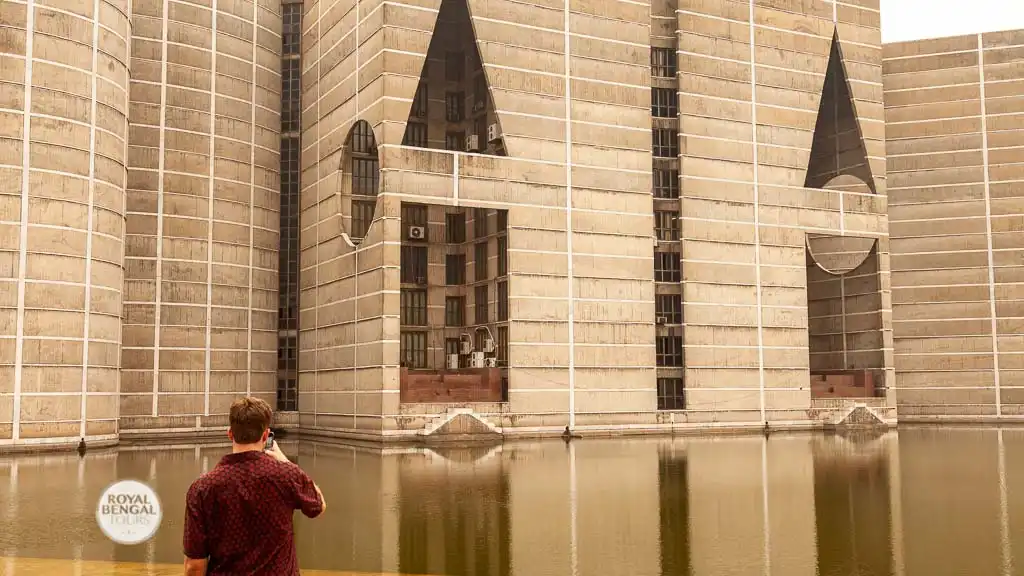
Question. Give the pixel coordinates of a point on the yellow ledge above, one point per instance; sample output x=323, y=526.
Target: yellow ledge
x=10, y=566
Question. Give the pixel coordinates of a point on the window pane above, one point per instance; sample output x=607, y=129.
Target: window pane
x=480, y=304
x=455, y=269
x=414, y=307
x=455, y=228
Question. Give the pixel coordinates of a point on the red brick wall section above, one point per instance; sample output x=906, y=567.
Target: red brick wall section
x=467, y=385
x=846, y=384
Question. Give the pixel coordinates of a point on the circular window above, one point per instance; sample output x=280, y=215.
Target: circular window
x=360, y=180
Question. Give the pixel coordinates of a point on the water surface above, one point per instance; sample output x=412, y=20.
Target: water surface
x=920, y=502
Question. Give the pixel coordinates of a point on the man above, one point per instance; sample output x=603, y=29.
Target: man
x=238, y=516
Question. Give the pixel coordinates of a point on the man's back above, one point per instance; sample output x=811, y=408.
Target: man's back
x=239, y=515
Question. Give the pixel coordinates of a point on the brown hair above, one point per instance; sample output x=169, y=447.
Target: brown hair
x=249, y=418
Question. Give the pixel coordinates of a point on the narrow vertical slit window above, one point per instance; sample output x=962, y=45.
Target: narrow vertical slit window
x=480, y=304
x=666, y=183
x=665, y=142
x=480, y=261
x=502, y=301
x=288, y=250
x=664, y=103
x=669, y=351
x=671, y=394
x=669, y=307
x=666, y=225
x=663, y=62
x=667, y=267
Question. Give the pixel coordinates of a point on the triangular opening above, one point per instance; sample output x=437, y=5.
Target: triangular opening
x=453, y=108
x=838, y=145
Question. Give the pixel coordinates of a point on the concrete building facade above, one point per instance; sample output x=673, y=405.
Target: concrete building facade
x=954, y=111
x=499, y=217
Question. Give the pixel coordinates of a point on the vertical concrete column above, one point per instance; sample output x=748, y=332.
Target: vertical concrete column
x=63, y=125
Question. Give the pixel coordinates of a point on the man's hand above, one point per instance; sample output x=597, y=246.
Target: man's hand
x=277, y=454
x=195, y=567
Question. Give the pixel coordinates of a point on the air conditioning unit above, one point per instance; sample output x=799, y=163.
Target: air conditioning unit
x=488, y=346
x=661, y=320
x=491, y=362
x=467, y=347
x=477, y=360
x=473, y=143
x=417, y=233
x=453, y=361
x=493, y=133
x=479, y=105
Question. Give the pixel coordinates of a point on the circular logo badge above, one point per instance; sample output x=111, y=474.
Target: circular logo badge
x=129, y=512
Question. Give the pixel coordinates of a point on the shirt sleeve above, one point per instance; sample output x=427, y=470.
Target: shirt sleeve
x=195, y=544
x=306, y=497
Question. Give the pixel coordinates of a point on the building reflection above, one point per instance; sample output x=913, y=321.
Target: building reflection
x=852, y=507
x=790, y=505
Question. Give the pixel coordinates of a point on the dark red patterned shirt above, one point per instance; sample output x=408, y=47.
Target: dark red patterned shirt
x=239, y=515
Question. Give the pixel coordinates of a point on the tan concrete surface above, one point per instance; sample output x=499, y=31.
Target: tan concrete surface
x=200, y=307
x=63, y=107
x=955, y=152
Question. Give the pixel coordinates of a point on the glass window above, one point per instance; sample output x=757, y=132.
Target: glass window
x=414, y=307
x=414, y=265
x=664, y=103
x=454, y=311
x=666, y=183
x=666, y=225
x=663, y=62
x=669, y=351
x=415, y=134
x=455, y=227
x=666, y=267
x=414, y=349
x=480, y=304
x=502, y=301
x=665, y=142
x=671, y=394
x=455, y=106
x=455, y=269
x=480, y=260
x=669, y=307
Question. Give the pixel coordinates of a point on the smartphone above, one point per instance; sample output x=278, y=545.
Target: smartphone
x=270, y=441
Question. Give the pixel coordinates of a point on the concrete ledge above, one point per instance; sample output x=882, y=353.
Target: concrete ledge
x=67, y=444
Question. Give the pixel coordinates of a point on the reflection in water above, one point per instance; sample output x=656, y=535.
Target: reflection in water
x=852, y=509
x=454, y=519
x=925, y=502
x=674, y=512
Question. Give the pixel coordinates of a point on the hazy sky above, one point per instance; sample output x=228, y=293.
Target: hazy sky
x=917, y=19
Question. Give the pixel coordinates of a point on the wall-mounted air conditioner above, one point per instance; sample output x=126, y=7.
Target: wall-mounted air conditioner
x=493, y=133
x=467, y=347
x=488, y=346
x=491, y=362
x=453, y=361
x=661, y=320
x=417, y=233
x=473, y=143
x=477, y=360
